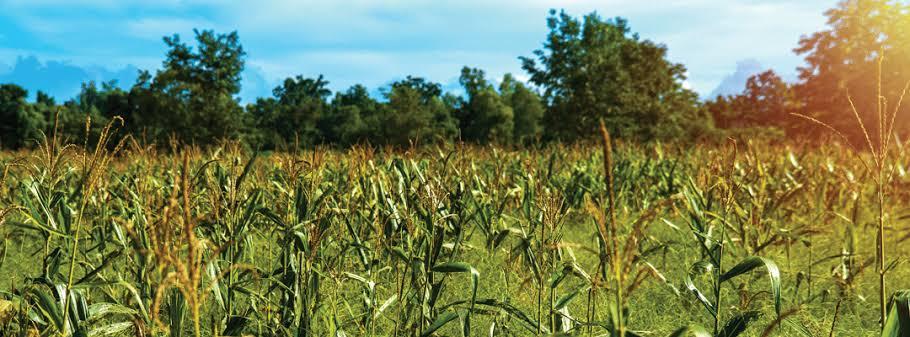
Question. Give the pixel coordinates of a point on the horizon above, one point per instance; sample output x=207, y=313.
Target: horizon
x=54, y=46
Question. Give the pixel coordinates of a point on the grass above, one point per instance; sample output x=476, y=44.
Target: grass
x=448, y=241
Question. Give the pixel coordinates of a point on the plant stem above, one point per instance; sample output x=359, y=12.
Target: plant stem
x=881, y=254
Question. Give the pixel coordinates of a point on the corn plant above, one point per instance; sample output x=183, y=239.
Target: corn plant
x=565, y=239
x=709, y=233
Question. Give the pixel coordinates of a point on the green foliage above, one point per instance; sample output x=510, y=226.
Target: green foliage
x=292, y=117
x=527, y=110
x=192, y=97
x=439, y=241
x=595, y=69
x=484, y=117
x=354, y=117
x=22, y=124
x=416, y=113
x=91, y=103
x=898, y=322
x=766, y=102
x=842, y=61
x=589, y=69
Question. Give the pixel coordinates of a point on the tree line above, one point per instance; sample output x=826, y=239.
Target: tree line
x=865, y=48
x=589, y=69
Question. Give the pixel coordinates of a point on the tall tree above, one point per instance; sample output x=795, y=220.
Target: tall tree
x=596, y=68
x=407, y=118
x=416, y=113
x=193, y=96
x=766, y=101
x=46, y=106
x=353, y=117
x=293, y=115
x=20, y=124
x=42, y=97
x=427, y=90
x=483, y=117
x=527, y=110
x=90, y=103
x=841, y=61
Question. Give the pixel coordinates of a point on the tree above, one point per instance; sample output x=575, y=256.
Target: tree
x=192, y=97
x=527, y=110
x=427, y=90
x=415, y=113
x=301, y=103
x=264, y=116
x=353, y=117
x=842, y=61
x=43, y=98
x=46, y=106
x=407, y=118
x=766, y=101
x=723, y=110
x=20, y=124
x=293, y=115
x=90, y=103
x=596, y=69
x=483, y=117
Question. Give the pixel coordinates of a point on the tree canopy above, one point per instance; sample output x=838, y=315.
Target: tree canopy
x=841, y=72
x=842, y=61
x=588, y=69
x=593, y=69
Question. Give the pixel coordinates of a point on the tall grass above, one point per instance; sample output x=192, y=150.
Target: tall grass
x=613, y=239
x=880, y=142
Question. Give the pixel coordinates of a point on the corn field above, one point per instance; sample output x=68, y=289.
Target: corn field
x=110, y=238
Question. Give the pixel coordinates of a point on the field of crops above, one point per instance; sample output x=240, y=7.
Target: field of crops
x=637, y=240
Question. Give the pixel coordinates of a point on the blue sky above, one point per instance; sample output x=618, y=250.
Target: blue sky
x=57, y=44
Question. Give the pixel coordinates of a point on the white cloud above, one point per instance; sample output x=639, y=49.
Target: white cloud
x=377, y=41
x=347, y=67
x=155, y=28
x=48, y=3
x=707, y=36
x=95, y=4
x=716, y=36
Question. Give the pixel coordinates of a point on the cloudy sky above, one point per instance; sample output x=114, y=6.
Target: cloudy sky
x=57, y=44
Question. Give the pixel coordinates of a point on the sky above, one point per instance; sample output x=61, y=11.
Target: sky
x=55, y=45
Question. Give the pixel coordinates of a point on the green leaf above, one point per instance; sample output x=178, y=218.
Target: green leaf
x=385, y=305
x=738, y=324
x=100, y=310
x=111, y=329
x=563, y=301
x=528, y=323
x=750, y=263
x=214, y=271
x=356, y=277
x=898, y=322
x=699, y=268
x=438, y=323
x=271, y=216
x=800, y=328
x=176, y=311
x=137, y=299
x=246, y=170
x=452, y=267
x=460, y=267
x=104, y=264
x=49, y=307
x=557, y=277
